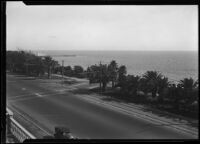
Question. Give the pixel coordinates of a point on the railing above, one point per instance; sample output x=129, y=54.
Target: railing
x=13, y=127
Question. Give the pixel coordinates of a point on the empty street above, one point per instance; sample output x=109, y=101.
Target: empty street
x=49, y=107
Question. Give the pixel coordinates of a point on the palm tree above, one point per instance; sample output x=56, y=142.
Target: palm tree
x=99, y=74
x=89, y=73
x=152, y=79
x=104, y=78
x=94, y=74
x=54, y=65
x=112, y=68
x=78, y=70
x=163, y=84
x=132, y=84
x=189, y=86
x=39, y=66
x=67, y=71
x=122, y=75
x=174, y=96
x=188, y=83
x=48, y=62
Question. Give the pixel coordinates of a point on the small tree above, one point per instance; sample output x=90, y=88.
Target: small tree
x=122, y=76
x=163, y=85
x=151, y=80
x=112, y=68
x=104, y=76
x=188, y=87
x=78, y=70
x=68, y=71
x=48, y=63
x=132, y=84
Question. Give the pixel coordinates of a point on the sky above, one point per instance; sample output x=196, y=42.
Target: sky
x=103, y=27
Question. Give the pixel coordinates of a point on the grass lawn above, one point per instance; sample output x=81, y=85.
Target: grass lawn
x=138, y=99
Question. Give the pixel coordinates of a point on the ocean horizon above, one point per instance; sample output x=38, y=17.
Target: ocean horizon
x=176, y=65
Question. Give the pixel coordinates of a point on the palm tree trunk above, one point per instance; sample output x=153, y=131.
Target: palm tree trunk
x=113, y=84
x=100, y=85
x=104, y=87
x=154, y=93
x=135, y=92
x=49, y=72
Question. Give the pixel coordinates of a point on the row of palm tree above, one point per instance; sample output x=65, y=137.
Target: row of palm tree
x=104, y=73
x=181, y=96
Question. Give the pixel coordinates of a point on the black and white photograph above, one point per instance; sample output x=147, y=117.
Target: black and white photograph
x=101, y=72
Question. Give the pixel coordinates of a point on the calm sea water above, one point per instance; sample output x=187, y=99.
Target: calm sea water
x=174, y=65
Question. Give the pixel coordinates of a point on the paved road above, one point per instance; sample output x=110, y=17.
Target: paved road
x=86, y=120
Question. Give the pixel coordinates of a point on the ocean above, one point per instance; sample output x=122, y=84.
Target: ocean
x=176, y=65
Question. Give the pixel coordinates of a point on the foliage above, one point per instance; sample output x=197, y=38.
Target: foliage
x=50, y=65
x=151, y=81
x=28, y=63
x=68, y=71
x=78, y=71
x=112, y=69
x=122, y=76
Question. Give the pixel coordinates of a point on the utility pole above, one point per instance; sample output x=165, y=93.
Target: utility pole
x=100, y=78
x=62, y=67
x=62, y=70
x=26, y=69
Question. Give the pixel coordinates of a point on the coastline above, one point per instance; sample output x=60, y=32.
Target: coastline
x=175, y=67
